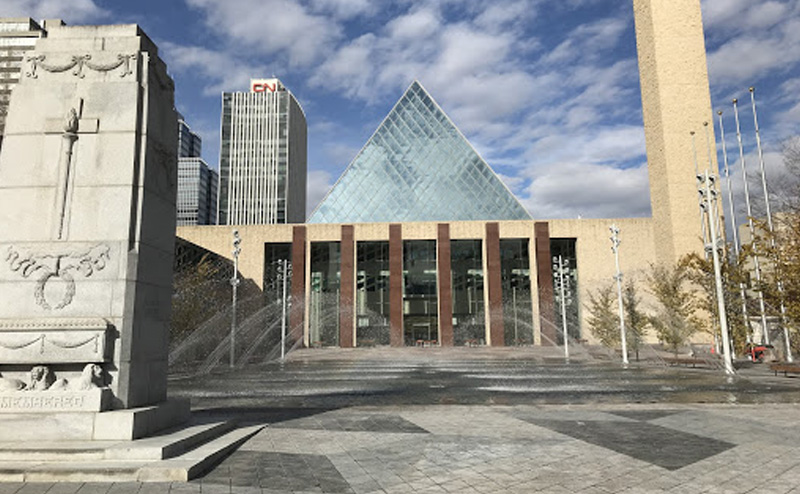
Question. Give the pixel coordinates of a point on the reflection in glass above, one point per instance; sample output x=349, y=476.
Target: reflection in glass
x=323, y=324
x=469, y=324
x=516, y=286
x=565, y=247
x=275, y=254
x=420, y=311
x=417, y=166
x=372, y=293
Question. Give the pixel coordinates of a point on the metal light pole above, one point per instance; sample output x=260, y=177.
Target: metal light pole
x=735, y=230
x=234, y=284
x=789, y=357
x=756, y=262
x=708, y=204
x=284, y=269
x=697, y=172
x=615, y=248
x=560, y=267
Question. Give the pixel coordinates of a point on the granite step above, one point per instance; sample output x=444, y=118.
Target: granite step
x=198, y=461
x=179, y=455
x=167, y=444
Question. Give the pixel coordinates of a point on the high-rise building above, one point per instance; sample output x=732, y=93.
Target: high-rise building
x=17, y=37
x=190, y=145
x=262, y=156
x=197, y=182
x=197, y=192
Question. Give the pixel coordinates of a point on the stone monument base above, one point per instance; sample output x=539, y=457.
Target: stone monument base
x=114, y=425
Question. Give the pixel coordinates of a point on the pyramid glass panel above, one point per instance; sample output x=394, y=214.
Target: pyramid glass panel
x=417, y=166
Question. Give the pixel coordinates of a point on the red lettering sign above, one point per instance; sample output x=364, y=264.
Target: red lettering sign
x=260, y=87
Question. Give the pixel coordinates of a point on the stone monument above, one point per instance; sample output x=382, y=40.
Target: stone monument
x=88, y=175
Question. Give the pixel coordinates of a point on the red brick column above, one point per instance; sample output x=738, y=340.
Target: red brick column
x=297, y=313
x=544, y=283
x=347, y=288
x=445, y=285
x=396, y=285
x=494, y=284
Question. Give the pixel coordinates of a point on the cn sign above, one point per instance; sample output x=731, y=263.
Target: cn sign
x=263, y=85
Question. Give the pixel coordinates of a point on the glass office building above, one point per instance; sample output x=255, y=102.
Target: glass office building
x=197, y=192
x=197, y=182
x=262, y=159
x=417, y=166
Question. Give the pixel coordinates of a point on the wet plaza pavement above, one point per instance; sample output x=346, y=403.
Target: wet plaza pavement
x=490, y=421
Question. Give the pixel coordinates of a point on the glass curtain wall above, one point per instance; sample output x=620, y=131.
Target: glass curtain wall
x=372, y=293
x=323, y=324
x=469, y=323
x=516, y=287
x=565, y=247
x=420, y=302
x=277, y=258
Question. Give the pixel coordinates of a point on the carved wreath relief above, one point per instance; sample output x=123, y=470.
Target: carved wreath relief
x=58, y=267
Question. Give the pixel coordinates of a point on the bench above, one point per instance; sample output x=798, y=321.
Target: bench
x=693, y=361
x=786, y=368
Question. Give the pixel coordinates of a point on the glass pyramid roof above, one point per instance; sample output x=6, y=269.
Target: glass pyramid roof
x=417, y=166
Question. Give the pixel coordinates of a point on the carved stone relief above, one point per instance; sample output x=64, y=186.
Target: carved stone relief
x=80, y=62
x=58, y=267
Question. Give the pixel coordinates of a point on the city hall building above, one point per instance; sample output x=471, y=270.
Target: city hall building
x=420, y=243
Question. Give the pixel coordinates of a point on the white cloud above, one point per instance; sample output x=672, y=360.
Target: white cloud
x=71, y=11
x=272, y=27
x=751, y=40
x=317, y=186
x=500, y=16
x=222, y=71
x=344, y=9
x=419, y=24
x=781, y=183
x=721, y=12
x=571, y=190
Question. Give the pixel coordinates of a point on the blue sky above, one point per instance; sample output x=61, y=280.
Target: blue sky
x=548, y=92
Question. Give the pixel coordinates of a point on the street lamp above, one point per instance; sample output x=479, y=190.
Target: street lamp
x=561, y=266
x=234, y=284
x=284, y=270
x=618, y=277
x=708, y=204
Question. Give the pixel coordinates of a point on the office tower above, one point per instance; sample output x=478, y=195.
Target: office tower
x=189, y=143
x=17, y=37
x=262, y=156
x=197, y=182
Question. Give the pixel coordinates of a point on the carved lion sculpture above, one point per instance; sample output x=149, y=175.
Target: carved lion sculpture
x=41, y=378
x=91, y=377
x=9, y=384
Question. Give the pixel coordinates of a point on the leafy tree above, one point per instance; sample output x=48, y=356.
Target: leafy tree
x=636, y=321
x=700, y=272
x=199, y=291
x=675, y=320
x=603, y=320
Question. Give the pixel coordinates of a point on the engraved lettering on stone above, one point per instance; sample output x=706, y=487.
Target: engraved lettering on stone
x=58, y=267
x=79, y=62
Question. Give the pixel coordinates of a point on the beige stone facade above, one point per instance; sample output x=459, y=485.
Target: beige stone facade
x=675, y=102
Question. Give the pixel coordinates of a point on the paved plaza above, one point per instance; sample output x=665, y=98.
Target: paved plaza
x=490, y=421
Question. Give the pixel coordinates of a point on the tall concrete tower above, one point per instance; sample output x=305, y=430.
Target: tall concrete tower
x=675, y=101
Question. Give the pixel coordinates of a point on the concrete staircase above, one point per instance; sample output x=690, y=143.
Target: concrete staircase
x=178, y=454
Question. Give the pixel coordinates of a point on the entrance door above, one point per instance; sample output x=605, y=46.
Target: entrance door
x=420, y=294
